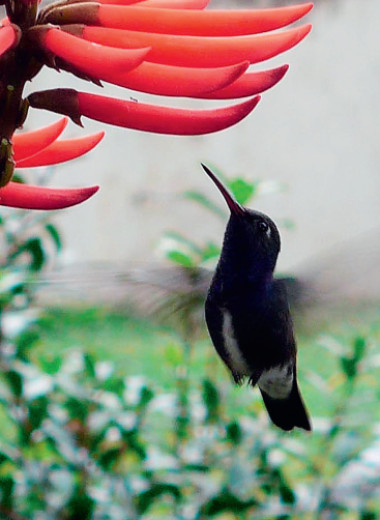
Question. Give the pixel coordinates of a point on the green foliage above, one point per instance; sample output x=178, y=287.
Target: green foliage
x=80, y=440
x=91, y=444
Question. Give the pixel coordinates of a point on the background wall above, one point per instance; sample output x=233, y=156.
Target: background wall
x=316, y=133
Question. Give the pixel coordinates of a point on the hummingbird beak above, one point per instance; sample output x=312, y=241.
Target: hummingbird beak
x=235, y=207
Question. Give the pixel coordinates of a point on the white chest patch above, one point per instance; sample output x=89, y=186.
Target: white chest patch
x=237, y=362
x=277, y=381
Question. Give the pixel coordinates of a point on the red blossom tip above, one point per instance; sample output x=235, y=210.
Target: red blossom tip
x=29, y=143
x=189, y=51
x=249, y=84
x=24, y=196
x=225, y=22
x=61, y=151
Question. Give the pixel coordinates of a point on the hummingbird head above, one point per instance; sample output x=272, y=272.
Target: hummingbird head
x=252, y=241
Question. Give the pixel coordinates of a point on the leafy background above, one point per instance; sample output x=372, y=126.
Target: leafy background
x=109, y=415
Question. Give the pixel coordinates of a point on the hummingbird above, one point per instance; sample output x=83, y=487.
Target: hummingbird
x=247, y=313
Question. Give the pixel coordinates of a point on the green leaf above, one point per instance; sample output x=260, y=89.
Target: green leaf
x=226, y=501
x=368, y=515
x=115, y=385
x=286, y=493
x=34, y=247
x=6, y=490
x=25, y=341
x=234, y=433
x=109, y=458
x=147, y=498
x=89, y=364
x=146, y=396
x=180, y=258
x=211, y=399
x=360, y=345
x=15, y=382
x=38, y=411
x=349, y=367
x=78, y=409
x=242, y=190
x=80, y=506
x=53, y=232
x=51, y=365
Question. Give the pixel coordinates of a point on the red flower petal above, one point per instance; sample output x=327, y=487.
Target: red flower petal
x=161, y=119
x=30, y=143
x=248, y=84
x=140, y=116
x=97, y=61
x=166, y=80
x=61, y=151
x=25, y=196
x=179, y=21
x=8, y=37
x=194, y=51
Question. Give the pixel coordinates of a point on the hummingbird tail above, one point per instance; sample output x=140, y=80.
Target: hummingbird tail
x=288, y=413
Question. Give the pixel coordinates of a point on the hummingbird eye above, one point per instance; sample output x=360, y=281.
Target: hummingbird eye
x=263, y=227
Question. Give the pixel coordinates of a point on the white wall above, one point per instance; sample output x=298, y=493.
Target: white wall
x=317, y=132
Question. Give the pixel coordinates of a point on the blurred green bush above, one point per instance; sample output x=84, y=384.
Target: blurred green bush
x=80, y=441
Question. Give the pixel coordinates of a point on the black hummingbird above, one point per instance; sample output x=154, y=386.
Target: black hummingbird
x=247, y=313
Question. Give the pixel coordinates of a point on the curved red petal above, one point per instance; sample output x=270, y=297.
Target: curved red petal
x=200, y=23
x=24, y=196
x=166, y=80
x=8, y=37
x=61, y=151
x=30, y=143
x=95, y=60
x=161, y=119
x=249, y=84
x=194, y=51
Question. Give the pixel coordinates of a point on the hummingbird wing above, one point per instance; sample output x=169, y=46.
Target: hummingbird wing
x=219, y=324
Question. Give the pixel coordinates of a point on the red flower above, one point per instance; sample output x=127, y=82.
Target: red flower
x=164, y=47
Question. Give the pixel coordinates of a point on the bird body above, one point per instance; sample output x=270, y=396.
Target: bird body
x=248, y=317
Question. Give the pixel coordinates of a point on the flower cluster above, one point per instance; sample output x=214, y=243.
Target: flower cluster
x=162, y=47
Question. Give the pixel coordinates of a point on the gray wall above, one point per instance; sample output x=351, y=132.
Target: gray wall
x=316, y=133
